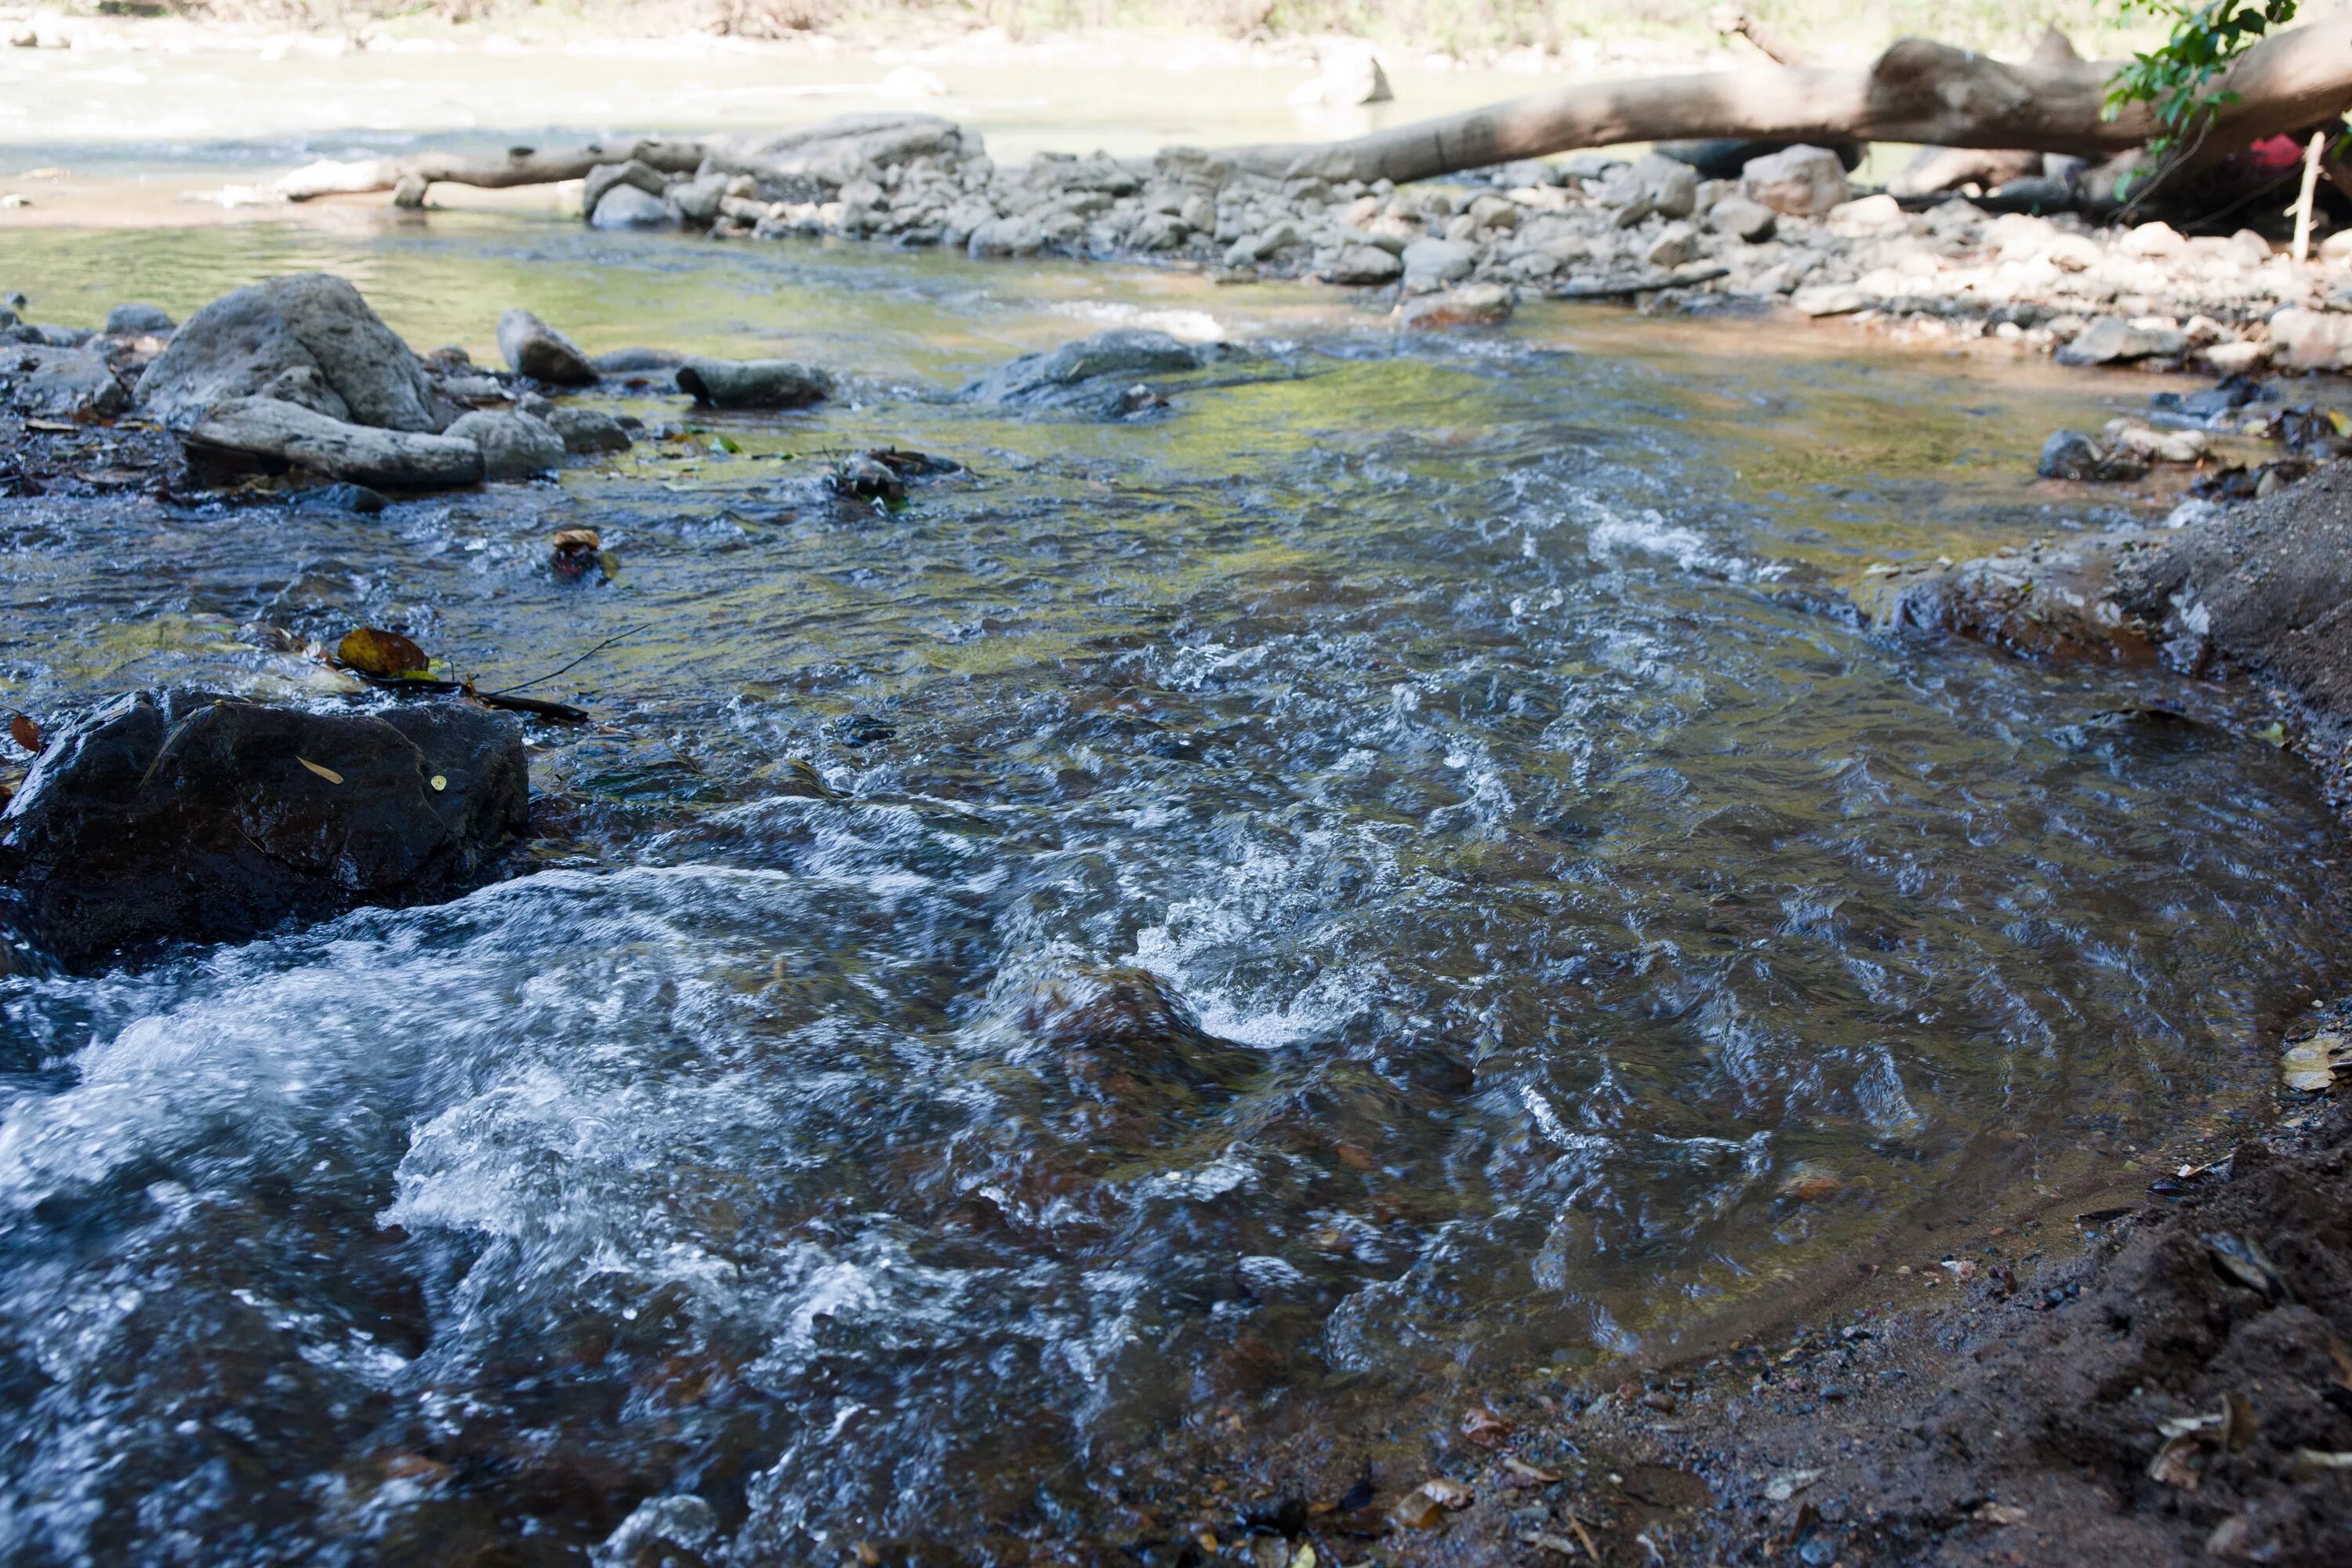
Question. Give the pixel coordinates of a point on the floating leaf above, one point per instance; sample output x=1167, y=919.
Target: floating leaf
x=387, y=655
x=330, y=775
x=25, y=732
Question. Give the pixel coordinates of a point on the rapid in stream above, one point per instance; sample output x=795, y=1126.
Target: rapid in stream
x=1389, y=876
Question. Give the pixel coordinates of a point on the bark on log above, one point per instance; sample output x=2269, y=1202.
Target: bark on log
x=520, y=166
x=1915, y=91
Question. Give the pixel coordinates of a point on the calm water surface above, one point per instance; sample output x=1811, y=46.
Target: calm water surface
x=1324, y=902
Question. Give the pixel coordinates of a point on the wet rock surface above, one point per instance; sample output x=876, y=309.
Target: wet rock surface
x=263, y=435
x=1099, y=375
x=538, y=351
x=306, y=338
x=754, y=384
x=177, y=817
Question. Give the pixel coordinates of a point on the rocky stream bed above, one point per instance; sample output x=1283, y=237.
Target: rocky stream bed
x=1226, y=970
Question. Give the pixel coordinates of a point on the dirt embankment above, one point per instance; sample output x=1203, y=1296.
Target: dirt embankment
x=2171, y=1384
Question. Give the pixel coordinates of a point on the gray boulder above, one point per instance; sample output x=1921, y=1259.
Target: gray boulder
x=1091, y=374
x=588, y=430
x=138, y=320
x=72, y=382
x=1800, y=181
x=313, y=324
x=752, y=382
x=261, y=434
x=626, y=206
x=513, y=446
x=534, y=348
x=2112, y=341
x=179, y=817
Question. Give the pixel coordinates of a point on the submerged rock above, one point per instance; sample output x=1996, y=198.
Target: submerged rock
x=534, y=348
x=262, y=434
x=306, y=338
x=172, y=817
x=1472, y=305
x=753, y=383
x=588, y=430
x=1094, y=374
x=513, y=446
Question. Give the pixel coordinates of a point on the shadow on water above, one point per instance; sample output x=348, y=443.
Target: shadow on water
x=1374, y=880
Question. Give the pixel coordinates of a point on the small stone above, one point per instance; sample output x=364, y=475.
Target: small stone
x=1473, y=305
x=1800, y=181
x=514, y=445
x=1675, y=244
x=138, y=320
x=588, y=430
x=754, y=384
x=2076, y=455
x=1742, y=219
x=1362, y=265
x=1431, y=264
x=534, y=348
x=1830, y=300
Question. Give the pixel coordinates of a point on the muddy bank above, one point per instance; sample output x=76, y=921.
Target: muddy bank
x=2256, y=590
x=2167, y=1376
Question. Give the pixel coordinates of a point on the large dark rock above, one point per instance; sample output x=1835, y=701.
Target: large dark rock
x=308, y=339
x=182, y=816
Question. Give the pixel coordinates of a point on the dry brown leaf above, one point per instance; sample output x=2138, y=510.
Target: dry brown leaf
x=330, y=775
x=1526, y=1473
x=387, y=655
x=1485, y=1428
x=25, y=732
x=1447, y=1493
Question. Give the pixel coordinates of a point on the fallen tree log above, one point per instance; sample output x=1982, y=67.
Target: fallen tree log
x=1916, y=90
x=520, y=167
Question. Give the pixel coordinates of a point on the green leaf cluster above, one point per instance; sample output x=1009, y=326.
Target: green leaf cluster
x=2177, y=76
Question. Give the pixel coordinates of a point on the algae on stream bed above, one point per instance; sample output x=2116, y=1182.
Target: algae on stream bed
x=1245, y=916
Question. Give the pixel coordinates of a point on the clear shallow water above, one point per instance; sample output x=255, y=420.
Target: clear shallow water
x=1375, y=882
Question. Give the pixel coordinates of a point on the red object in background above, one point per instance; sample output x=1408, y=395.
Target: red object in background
x=2275, y=154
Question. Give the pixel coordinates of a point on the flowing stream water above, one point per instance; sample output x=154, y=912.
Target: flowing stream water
x=1389, y=876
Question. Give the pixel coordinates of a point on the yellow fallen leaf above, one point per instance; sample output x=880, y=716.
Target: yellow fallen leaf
x=387, y=655
x=440, y=782
x=330, y=775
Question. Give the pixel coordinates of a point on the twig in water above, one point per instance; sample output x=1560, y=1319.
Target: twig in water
x=575, y=664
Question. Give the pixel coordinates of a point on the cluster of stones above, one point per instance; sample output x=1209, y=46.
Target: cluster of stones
x=1787, y=229
x=297, y=372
